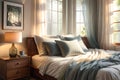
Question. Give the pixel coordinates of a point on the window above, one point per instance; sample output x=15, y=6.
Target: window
x=80, y=27
x=54, y=16
x=115, y=21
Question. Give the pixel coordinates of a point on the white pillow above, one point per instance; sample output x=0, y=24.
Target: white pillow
x=39, y=42
x=69, y=47
x=76, y=38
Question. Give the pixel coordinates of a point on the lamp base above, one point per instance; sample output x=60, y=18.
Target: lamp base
x=13, y=51
x=12, y=55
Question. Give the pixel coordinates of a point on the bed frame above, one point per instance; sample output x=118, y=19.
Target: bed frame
x=32, y=50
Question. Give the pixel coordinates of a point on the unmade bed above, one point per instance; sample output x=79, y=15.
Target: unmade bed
x=64, y=68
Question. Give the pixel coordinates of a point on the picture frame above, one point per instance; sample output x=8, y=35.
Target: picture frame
x=12, y=16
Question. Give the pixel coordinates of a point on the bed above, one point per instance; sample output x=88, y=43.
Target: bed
x=107, y=73
x=31, y=51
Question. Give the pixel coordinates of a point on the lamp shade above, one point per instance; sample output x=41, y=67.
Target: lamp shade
x=13, y=37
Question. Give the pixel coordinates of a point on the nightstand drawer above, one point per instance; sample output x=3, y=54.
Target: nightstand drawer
x=14, y=68
x=18, y=72
x=17, y=63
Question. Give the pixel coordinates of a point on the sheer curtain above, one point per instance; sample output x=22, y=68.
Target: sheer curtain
x=104, y=29
x=50, y=17
x=40, y=17
x=97, y=22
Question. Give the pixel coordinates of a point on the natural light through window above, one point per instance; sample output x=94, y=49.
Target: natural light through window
x=115, y=21
x=54, y=16
x=80, y=27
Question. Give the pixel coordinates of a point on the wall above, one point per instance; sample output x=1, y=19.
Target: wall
x=28, y=26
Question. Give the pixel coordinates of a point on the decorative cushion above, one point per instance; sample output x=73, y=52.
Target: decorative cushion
x=76, y=38
x=39, y=42
x=69, y=47
x=52, y=49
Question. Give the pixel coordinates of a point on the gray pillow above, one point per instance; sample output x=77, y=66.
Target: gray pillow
x=69, y=47
x=52, y=48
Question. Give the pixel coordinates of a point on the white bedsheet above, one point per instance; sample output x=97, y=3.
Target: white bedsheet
x=38, y=60
x=51, y=65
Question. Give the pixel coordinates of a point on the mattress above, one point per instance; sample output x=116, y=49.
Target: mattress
x=57, y=70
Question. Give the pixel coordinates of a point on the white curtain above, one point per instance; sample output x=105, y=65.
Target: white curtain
x=40, y=17
x=42, y=26
x=71, y=16
x=97, y=22
x=104, y=29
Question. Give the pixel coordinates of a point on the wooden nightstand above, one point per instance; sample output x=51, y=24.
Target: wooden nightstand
x=14, y=68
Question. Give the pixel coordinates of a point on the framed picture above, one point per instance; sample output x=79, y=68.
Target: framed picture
x=12, y=16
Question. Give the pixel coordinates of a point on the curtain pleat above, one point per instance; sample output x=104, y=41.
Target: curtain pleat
x=97, y=22
x=90, y=19
x=104, y=29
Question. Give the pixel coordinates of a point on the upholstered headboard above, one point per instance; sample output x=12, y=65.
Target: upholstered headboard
x=32, y=48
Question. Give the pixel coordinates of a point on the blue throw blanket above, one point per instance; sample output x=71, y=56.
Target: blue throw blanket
x=88, y=70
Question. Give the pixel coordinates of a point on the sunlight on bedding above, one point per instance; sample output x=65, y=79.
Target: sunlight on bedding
x=92, y=55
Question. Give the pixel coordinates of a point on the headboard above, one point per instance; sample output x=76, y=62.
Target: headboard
x=85, y=40
x=32, y=48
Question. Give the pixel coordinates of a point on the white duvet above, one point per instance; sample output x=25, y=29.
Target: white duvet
x=56, y=66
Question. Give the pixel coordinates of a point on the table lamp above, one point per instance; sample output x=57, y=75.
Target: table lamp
x=13, y=37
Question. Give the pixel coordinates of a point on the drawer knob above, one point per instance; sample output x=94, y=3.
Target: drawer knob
x=17, y=63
